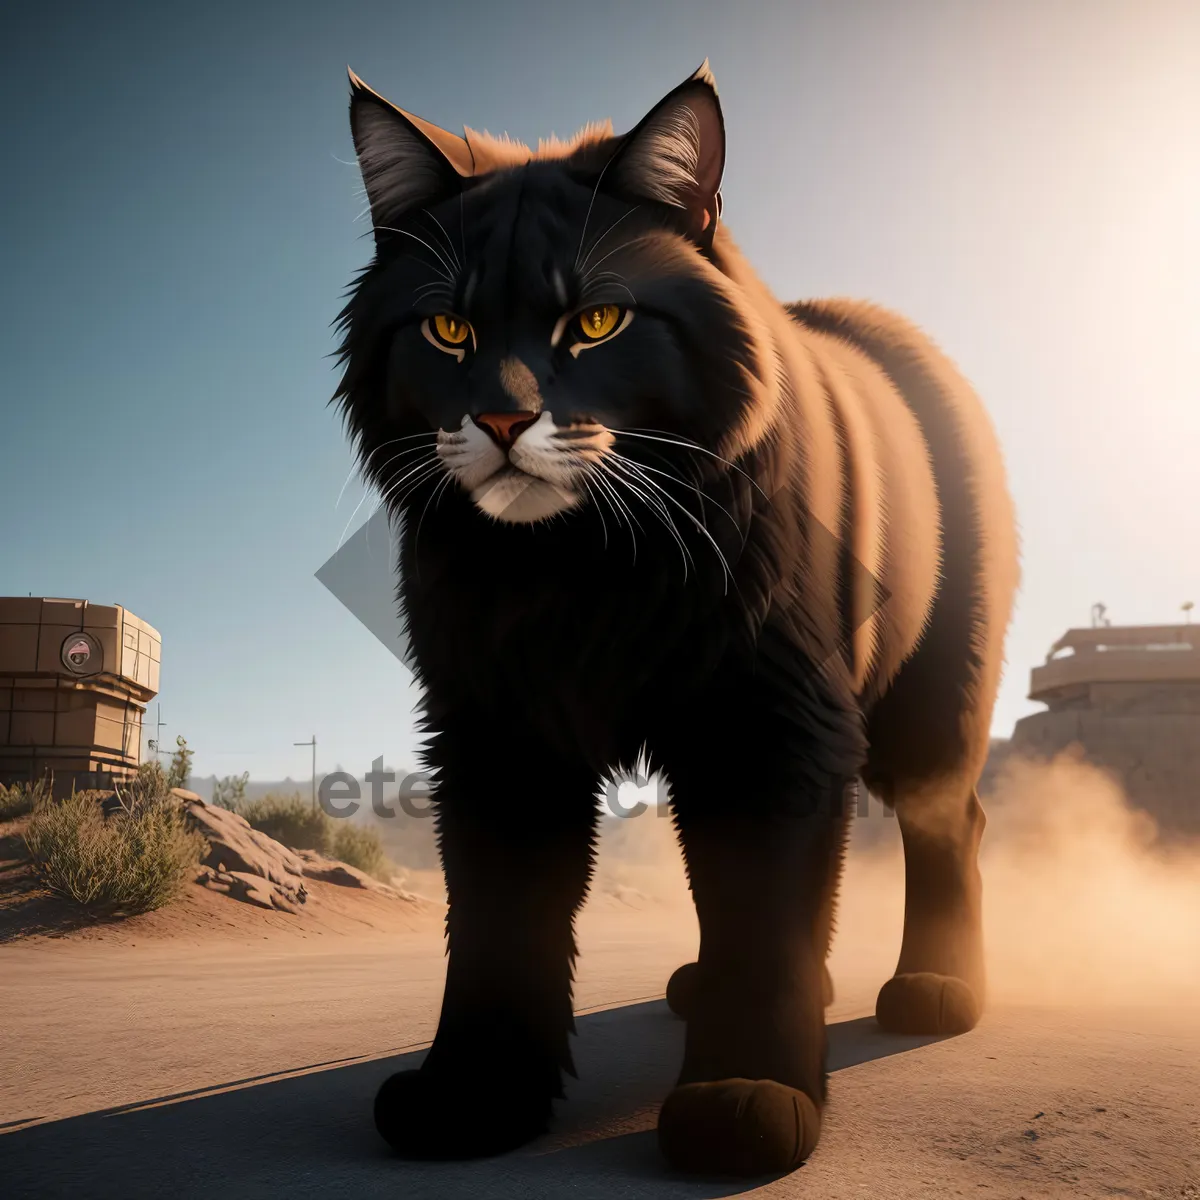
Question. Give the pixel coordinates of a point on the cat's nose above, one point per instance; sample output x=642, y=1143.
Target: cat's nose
x=505, y=427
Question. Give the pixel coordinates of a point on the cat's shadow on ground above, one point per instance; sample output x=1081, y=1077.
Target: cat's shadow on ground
x=310, y=1135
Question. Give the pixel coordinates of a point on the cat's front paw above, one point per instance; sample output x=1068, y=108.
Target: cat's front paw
x=741, y=1127
x=426, y=1115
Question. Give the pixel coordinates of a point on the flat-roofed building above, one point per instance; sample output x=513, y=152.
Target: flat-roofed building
x=1129, y=696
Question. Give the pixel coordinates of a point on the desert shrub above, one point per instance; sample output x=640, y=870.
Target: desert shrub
x=230, y=792
x=362, y=848
x=19, y=799
x=291, y=820
x=136, y=859
x=147, y=789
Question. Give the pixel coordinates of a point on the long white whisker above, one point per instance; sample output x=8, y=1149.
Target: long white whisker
x=433, y=286
x=449, y=244
x=659, y=510
x=588, y=215
x=686, y=445
x=397, y=502
x=403, y=454
x=430, y=465
x=698, y=524
x=417, y=536
x=371, y=456
x=629, y=517
x=448, y=274
x=615, y=250
x=367, y=467
x=402, y=497
x=593, y=247
x=351, y=521
x=344, y=486
x=412, y=468
x=703, y=495
x=599, y=511
x=615, y=282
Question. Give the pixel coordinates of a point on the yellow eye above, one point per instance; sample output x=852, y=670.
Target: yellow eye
x=452, y=330
x=599, y=320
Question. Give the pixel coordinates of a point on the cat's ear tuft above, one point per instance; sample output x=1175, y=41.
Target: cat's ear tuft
x=406, y=163
x=676, y=155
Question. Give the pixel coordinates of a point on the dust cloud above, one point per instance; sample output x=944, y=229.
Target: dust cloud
x=1084, y=906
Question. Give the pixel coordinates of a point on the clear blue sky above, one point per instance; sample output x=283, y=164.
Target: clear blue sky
x=1021, y=178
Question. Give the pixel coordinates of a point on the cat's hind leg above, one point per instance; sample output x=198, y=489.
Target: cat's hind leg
x=929, y=739
x=940, y=981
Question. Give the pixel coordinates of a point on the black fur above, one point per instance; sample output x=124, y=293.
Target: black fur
x=552, y=653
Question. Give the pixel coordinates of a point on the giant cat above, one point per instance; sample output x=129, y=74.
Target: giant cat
x=647, y=509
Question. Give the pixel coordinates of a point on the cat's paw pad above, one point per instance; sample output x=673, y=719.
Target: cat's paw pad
x=423, y=1116
x=925, y=1003
x=741, y=1127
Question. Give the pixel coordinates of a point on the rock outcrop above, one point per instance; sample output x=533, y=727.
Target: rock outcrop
x=243, y=862
x=329, y=870
x=249, y=866
x=253, y=889
x=239, y=847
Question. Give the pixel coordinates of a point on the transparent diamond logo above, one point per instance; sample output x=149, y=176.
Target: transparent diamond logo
x=363, y=575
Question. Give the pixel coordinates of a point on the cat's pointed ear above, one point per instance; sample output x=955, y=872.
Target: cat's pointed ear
x=676, y=155
x=406, y=163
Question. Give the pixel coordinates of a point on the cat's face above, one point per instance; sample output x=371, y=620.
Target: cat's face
x=532, y=332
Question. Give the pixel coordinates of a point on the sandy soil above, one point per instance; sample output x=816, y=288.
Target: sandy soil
x=30, y=914
x=193, y=1052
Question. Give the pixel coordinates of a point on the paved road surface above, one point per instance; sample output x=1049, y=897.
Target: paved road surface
x=153, y=1072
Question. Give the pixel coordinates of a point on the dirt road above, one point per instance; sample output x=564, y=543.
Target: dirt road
x=230, y=1069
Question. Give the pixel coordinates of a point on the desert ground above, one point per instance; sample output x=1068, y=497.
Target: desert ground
x=213, y=1049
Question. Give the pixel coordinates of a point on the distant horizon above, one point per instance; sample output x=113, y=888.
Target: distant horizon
x=302, y=782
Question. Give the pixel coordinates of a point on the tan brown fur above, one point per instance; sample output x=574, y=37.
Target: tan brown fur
x=903, y=466
x=498, y=153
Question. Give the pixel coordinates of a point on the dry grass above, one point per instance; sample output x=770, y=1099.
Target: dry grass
x=292, y=820
x=362, y=848
x=136, y=859
x=19, y=799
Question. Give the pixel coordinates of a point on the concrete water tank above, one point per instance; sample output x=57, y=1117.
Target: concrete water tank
x=75, y=679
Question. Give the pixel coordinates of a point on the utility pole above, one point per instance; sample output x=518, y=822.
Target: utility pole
x=156, y=744
x=313, y=744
